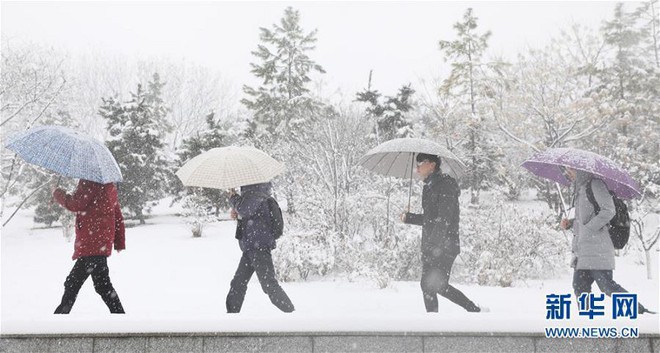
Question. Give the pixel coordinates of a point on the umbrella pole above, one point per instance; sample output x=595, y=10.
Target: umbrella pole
x=564, y=212
x=412, y=162
x=563, y=203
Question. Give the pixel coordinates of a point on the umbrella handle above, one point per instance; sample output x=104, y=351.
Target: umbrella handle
x=412, y=163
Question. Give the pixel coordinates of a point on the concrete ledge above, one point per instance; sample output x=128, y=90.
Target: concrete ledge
x=330, y=342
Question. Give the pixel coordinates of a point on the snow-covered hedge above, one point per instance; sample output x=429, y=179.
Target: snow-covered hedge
x=505, y=242
x=501, y=243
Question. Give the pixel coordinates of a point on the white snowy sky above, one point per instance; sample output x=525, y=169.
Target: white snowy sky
x=399, y=40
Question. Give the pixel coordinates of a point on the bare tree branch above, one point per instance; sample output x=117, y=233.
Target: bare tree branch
x=23, y=202
x=511, y=135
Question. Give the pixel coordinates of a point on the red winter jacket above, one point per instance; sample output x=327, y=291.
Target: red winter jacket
x=99, y=222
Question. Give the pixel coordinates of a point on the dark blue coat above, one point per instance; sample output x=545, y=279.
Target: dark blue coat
x=440, y=218
x=254, y=228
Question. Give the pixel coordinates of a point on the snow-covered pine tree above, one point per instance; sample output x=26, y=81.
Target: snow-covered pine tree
x=282, y=104
x=649, y=13
x=466, y=84
x=137, y=128
x=215, y=135
x=391, y=115
x=630, y=88
x=283, y=107
x=48, y=211
x=630, y=85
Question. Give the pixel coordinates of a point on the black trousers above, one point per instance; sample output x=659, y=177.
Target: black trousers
x=435, y=280
x=261, y=262
x=97, y=266
x=583, y=279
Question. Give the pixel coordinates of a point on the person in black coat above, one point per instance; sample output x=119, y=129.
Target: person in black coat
x=440, y=243
x=255, y=234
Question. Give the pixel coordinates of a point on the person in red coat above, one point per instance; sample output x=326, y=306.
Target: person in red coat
x=99, y=227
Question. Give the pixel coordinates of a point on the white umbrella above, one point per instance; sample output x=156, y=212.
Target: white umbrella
x=229, y=167
x=397, y=158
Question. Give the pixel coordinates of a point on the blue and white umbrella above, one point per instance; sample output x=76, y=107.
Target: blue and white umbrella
x=66, y=152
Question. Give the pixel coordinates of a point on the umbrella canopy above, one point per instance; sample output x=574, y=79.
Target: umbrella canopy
x=546, y=165
x=397, y=157
x=229, y=167
x=66, y=152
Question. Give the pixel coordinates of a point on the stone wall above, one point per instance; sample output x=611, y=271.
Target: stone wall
x=380, y=342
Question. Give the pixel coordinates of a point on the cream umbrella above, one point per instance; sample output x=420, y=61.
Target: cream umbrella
x=229, y=167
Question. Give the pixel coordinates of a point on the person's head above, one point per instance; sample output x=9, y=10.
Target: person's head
x=568, y=173
x=427, y=164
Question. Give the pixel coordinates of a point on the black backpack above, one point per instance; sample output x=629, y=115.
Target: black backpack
x=277, y=222
x=619, y=225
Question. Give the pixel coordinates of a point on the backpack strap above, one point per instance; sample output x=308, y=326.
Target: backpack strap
x=591, y=198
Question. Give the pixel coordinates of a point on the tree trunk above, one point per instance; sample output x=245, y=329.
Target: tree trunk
x=290, y=205
x=474, y=196
x=649, y=267
x=140, y=216
x=654, y=30
x=197, y=229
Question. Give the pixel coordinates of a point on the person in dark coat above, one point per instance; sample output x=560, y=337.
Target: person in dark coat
x=99, y=227
x=440, y=242
x=255, y=234
x=592, y=247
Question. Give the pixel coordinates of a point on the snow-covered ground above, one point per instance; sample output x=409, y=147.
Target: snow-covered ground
x=171, y=282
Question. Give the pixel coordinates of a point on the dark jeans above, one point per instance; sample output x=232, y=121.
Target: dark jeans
x=583, y=279
x=261, y=262
x=97, y=266
x=435, y=280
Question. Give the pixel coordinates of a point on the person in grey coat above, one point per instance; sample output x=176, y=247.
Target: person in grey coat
x=592, y=247
x=440, y=242
x=255, y=234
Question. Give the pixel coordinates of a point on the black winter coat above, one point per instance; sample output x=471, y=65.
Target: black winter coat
x=254, y=229
x=440, y=218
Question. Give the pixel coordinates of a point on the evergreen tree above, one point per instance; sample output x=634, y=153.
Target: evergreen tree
x=390, y=116
x=282, y=103
x=468, y=82
x=283, y=108
x=649, y=13
x=630, y=88
x=48, y=211
x=215, y=135
x=137, y=128
x=623, y=36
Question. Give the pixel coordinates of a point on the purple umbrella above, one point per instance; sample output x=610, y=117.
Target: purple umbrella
x=546, y=164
